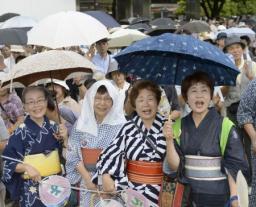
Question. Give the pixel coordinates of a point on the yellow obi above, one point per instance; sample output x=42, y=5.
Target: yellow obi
x=46, y=164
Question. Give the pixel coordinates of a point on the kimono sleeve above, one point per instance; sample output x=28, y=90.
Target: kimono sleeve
x=12, y=180
x=234, y=157
x=4, y=134
x=17, y=105
x=73, y=156
x=111, y=161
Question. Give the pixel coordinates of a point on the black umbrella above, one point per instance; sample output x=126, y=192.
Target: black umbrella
x=7, y=16
x=140, y=20
x=143, y=27
x=163, y=22
x=104, y=18
x=158, y=30
x=14, y=36
x=162, y=25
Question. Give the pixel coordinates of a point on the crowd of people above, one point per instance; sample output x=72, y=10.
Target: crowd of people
x=115, y=131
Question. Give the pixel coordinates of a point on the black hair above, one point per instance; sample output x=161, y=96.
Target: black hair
x=89, y=82
x=246, y=38
x=102, y=90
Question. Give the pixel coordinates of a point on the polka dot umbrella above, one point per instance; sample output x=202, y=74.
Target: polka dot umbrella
x=169, y=58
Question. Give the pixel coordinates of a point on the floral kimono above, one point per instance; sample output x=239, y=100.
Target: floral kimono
x=28, y=139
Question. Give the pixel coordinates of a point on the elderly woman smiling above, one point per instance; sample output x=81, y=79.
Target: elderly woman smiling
x=139, y=144
x=100, y=121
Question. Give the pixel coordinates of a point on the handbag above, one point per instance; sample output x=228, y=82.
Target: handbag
x=46, y=164
x=175, y=189
x=174, y=193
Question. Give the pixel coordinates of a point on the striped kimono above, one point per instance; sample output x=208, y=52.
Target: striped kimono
x=132, y=145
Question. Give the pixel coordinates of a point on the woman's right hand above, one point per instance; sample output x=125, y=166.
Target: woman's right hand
x=167, y=131
x=108, y=183
x=90, y=185
x=32, y=172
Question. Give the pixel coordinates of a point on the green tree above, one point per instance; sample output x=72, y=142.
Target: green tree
x=181, y=7
x=217, y=8
x=212, y=8
x=239, y=7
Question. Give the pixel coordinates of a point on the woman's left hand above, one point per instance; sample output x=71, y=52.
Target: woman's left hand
x=62, y=132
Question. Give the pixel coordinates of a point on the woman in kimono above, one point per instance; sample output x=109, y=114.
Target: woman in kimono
x=140, y=145
x=36, y=135
x=100, y=121
x=201, y=139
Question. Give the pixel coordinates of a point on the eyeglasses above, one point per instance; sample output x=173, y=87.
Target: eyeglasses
x=35, y=102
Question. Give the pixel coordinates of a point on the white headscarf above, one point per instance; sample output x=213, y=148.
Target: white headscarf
x=87, y=121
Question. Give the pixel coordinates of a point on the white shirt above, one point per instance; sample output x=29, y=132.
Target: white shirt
x=121, y=91
x=9, y=62
x=102, y=63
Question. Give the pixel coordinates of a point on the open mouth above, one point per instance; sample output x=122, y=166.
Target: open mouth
x=199, y=104
x=147, y=111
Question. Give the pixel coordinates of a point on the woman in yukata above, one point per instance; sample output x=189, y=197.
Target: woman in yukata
x=201, y=143
x=134, y=158
x=36, y=135
x=100, y=121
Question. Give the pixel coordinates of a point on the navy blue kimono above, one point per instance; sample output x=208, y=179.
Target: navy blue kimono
x=204, y=140
x=28, y=139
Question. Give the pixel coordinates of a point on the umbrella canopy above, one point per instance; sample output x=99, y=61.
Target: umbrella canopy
x=4, y=77
x=162, y=25
x=139, y=20
x=7, y=16
x=14, y=36
x=56, y=63
x=196, y=27
x=104, y=18
x=169, y=58
x=240, y=31
x=66, y=29
x=19, y=22
x=158, y=30
x=143, y=27
x=125, y=37
x=163, y=21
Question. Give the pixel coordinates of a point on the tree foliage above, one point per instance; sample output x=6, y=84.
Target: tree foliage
x=224, y=8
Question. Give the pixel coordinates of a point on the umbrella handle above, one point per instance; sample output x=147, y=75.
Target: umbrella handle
x=57, y=106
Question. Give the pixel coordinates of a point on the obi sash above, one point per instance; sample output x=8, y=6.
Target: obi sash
x=203, y=168
x=90, y=157
x=47, y=165
x=144, y=172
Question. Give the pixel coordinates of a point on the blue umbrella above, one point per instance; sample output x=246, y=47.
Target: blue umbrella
x=169, y=58
x=104, y=18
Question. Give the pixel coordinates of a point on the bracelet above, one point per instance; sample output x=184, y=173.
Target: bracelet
x=233, y=198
